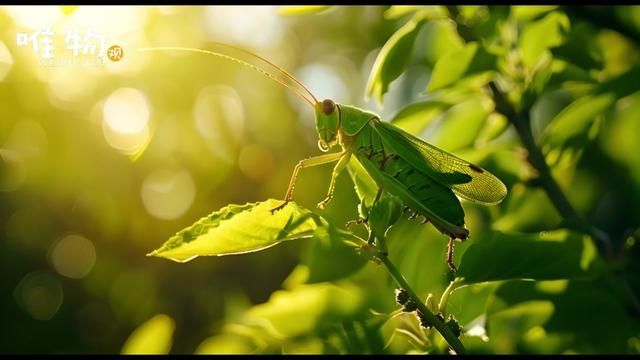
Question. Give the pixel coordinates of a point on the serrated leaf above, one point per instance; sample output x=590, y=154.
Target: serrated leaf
x=472, y=59
x=416, y=117
x=152, y=337
x=393, y=58
x=541, y=256
x=539, y=36
x=239, y=229
x=303, y=9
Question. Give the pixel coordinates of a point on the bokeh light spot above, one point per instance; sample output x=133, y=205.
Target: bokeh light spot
x=6, y=61
x=255, y=27
x=168, y=194
x=126, y=121
x=35, y=17
x=39, y=294
x=73, y=256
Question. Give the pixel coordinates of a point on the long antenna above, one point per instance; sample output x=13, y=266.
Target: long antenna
x=311, y=101
x=281, y=70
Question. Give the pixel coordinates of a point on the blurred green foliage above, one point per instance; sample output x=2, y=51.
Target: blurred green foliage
x=99, y=164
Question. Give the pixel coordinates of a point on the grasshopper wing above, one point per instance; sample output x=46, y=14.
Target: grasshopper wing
x=465, y=179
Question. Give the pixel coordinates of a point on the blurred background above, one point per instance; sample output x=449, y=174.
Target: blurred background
x=103, y=161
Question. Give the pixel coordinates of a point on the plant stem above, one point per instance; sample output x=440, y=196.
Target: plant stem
x=445, y=295
x=537, y=160
x=521, y=123
x=443, y=329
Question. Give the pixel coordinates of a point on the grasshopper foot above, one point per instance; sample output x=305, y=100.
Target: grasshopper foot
x=280, y=207
x=322, y=204
x=355, y=222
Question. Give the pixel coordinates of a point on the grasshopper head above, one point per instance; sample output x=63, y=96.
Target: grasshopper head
x=327, y=123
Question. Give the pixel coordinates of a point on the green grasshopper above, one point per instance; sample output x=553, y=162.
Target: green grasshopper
x=426, y=179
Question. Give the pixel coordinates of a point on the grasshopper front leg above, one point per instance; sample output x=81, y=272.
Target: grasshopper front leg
x=344, y=160
x=313, y=161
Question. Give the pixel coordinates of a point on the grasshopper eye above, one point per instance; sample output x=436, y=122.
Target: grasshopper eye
x=328, y=106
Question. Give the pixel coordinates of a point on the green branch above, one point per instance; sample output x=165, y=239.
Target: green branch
x=522, y=125
x=537, y=160
x=442, y=328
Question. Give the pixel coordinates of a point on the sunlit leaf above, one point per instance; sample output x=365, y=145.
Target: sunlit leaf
x=495, y=126
x=528, y=12
x=239, y=229
x=398, y=11
x=441, y=38
x=303, y=9
x=416, y=117
x=456, y=65
x=461, y=125
x=576, y=118
x=226, y=344
x=538, y=36
x=306, y=308
x=543, y=256
x=155, y=336
x=527, y=209
x=431, y=11
x=393, y=58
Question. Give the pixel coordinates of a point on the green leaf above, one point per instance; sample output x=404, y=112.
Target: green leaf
x=152, y=337
x=240, y=229
x=303, y=9
x=441, y=38
x=416, y=117
x=581, y=309
x=576, y=119
x=527, y=209
x=461, y=125
x=306, y=308
x=542, y=256
x=226, y=344
x=539, y=36
x=393, y=58
x=495, y=126
x=528, y=12
x=459, y=64
x=398, y=11
x=331, y=256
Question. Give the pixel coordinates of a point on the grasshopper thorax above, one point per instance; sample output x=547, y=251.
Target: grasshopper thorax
x=327, y=123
